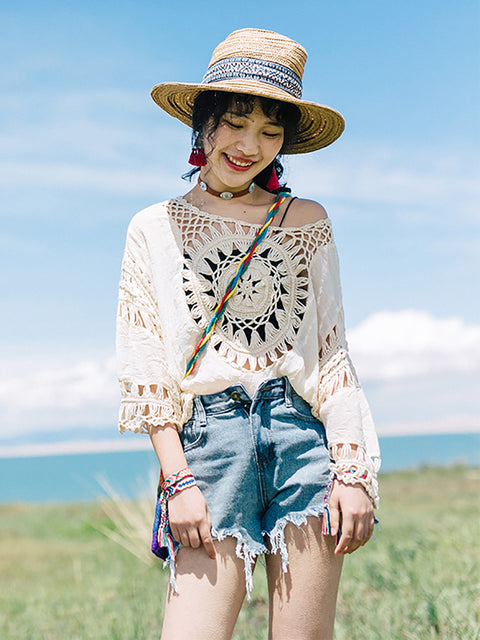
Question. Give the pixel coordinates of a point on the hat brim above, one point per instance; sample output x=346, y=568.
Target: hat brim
x=318, y=126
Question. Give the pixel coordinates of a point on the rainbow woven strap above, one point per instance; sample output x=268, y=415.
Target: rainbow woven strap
x=162, y=542
x=242, y=267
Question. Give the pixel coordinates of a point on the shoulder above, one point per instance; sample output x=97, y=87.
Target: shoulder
x=146, y=216
x=149, y=227
x=303, y=212
x=149, y=221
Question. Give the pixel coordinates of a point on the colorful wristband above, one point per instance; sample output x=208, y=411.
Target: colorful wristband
x=162, y=541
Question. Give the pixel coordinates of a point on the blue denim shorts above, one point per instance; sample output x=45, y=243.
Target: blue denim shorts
x=260, y=463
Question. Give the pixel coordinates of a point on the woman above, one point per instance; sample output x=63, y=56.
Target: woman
x=232, y=357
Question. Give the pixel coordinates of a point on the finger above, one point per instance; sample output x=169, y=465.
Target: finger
x=184, y=539
x=355, y=544
x=194, y=538
x=369, y=528
x=175, y=533
x=334, y=519
x=347, y=537
x=360, y=535
x=365, y=528
x=206, y=537
x=363, y=532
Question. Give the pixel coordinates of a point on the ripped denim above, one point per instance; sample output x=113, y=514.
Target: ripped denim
x=260, y=462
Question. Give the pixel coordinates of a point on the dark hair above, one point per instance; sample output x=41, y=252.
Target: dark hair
x=210, y=106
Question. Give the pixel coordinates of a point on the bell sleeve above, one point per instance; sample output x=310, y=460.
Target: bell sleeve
x=149, y=395
x=342, y=406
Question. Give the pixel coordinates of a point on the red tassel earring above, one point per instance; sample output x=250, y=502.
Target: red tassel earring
x=273, y=183
x=197, y=157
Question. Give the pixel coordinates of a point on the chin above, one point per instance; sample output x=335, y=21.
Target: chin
x=236, y=181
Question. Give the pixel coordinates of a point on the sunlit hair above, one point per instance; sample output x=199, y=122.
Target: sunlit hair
x=210, y=106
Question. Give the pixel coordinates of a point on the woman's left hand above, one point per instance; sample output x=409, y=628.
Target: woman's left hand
x=351, y=507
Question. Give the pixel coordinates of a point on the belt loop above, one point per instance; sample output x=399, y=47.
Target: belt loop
x=200, y=411
x=288, y=393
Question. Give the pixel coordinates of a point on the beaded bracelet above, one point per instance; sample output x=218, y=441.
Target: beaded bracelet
x=162, y=542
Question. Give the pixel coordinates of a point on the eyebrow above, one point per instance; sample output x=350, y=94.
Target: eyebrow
x=274, y=123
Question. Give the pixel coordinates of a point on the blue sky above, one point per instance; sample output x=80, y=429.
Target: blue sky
x=83, y=147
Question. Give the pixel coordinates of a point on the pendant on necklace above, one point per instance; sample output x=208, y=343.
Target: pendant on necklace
x=225, y=195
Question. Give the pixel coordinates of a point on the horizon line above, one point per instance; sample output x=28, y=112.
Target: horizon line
x=80, y=447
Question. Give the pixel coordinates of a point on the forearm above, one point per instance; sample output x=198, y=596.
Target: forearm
x=188, y=514
x=168, y=448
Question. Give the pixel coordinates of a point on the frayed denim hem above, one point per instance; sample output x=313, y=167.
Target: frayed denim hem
x=170, y=564
x=249, y=550
x=246, y=549
x=276, y=536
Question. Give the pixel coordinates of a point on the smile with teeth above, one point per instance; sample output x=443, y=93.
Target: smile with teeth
x=238, y=162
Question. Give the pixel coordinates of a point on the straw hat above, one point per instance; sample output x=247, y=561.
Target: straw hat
x=260, y=63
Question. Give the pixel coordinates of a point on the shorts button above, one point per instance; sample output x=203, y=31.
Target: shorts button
x=235, y=396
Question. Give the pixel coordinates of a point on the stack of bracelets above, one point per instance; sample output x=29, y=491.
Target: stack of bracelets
x=162, y=543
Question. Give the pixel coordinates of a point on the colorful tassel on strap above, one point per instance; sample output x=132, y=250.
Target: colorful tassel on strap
x=326, y=524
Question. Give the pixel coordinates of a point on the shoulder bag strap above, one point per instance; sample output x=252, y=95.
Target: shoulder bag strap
x=241, y=268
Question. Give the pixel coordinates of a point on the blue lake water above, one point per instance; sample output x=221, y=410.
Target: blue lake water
x=75, y=477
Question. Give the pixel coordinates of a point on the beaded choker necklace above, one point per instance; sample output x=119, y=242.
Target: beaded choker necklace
x=225, y=195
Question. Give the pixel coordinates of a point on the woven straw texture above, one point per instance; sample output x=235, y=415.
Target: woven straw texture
x=319, y=125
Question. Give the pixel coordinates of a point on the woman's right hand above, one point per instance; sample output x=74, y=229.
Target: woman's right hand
x=189, y=520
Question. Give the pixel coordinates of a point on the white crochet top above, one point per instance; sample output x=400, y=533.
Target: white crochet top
x=285, y=319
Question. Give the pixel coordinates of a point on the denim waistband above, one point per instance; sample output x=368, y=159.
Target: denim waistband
x=268, y=389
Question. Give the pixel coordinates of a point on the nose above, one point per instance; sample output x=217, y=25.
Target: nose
x=248, y=143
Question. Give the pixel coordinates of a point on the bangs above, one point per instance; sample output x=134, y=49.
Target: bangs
x=281, y=113
x=210, y=106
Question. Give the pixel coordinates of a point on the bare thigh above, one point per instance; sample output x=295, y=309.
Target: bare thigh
x=303, y=600
x=210, y=594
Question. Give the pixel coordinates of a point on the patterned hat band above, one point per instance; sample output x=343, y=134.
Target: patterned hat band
x=253, y=69
x=260, y=63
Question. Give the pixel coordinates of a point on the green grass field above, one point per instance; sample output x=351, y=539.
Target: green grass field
x=61, y=578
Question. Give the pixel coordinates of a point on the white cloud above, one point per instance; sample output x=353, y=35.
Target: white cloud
x=53, y=396
x=454, y=423
x=64, y=175
x=75, y=446
x=98, y=141
x=420, y=178
x=92, y=139
x=376, y=180
x=419, y=372
x=396, y=344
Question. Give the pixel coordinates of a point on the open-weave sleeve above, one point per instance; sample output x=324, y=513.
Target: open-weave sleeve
x=150, y=396
x=342, y=406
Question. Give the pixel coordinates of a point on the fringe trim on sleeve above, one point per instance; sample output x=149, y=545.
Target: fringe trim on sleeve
x=351, y=465
x=145, y=406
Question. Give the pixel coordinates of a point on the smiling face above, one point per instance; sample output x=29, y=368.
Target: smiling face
x=242, y=145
